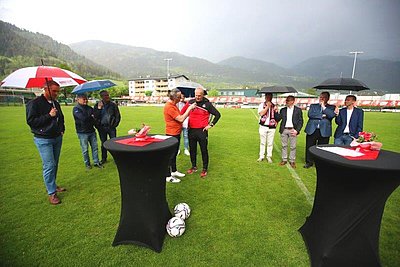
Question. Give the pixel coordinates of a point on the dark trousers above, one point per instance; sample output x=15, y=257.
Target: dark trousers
x=314, y=139
x=201, y=137
x=103, y=133
x=172, y=160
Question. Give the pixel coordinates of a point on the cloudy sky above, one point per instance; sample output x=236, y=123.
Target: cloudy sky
x=280, y=31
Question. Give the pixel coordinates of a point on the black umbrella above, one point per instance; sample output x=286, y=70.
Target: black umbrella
x=349, y=84
x=277, y=89
x=187, y=88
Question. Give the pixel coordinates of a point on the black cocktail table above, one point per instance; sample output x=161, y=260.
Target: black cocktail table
x=343, y=227
x=144, y=208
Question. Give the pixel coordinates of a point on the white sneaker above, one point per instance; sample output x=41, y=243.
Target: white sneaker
x=260, y=159
x=269, y=159
x=179, y=152
x=171, y=179
x=177, y=174
x=187, y=153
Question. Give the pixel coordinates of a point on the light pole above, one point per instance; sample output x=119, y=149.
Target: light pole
x=355, y=60
x=168, y=60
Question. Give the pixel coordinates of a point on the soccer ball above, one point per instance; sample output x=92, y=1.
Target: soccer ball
x=175, y=227
x=182, y=210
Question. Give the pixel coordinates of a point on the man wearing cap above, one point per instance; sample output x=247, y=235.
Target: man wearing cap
x=84, y=125
x=46, y=120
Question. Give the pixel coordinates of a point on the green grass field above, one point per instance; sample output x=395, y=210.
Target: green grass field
x=244, y=214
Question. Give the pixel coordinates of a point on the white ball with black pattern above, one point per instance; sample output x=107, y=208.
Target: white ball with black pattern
x=176, y=227
x=182, y=210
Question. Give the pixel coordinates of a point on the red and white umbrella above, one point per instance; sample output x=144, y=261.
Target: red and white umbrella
x=35, y=77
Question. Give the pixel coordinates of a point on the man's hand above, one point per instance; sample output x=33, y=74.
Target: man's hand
x=53, y=112
x=192, y=106
x=293, y=132
x=207, y=127
x=336, y=110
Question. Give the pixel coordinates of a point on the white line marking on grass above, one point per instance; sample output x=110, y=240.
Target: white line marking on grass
x=294, y=174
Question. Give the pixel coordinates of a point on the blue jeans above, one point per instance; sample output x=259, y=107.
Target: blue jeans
x=49, y=150
x=345, y=139
x=85, y=139
x=185, y=138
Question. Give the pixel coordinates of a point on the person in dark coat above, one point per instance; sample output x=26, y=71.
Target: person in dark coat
x=291, y=124
x=46, y=120
x=350, y=122
x=319, y=125
x=84, y=125
x=107, y=117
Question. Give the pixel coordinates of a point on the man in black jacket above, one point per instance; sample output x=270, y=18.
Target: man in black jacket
x=84, y=125
x=44, y=116
x=107, y=118
x=292, y=122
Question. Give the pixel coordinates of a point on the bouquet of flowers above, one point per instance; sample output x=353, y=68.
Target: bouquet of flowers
x=367, y=140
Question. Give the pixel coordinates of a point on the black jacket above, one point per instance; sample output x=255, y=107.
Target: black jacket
x=41, y=123
x=297, y=119
x=108, y=116
x=84, y=119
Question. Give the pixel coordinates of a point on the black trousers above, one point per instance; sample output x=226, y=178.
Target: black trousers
x=201, y=137
x=103, y=132
x=172, y=160
x=314, y=139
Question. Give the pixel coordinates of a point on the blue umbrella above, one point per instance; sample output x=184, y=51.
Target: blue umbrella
x=92, y=86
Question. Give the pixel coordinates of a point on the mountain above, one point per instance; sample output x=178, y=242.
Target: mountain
x=21, y=48
x=378, y=74
x=133, y=62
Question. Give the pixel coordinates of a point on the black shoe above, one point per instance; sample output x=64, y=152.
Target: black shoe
x=98, y=165
x=308, y=165
x=103, y=161
x=88, y=167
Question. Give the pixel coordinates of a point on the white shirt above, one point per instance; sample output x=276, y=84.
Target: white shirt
x=185, y=123
x=349, y=112
x=289, y=119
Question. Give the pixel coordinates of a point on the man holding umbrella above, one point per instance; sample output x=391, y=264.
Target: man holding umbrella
x=108, y=117
x=269, y=118
x=319, y=125
x=46, y=120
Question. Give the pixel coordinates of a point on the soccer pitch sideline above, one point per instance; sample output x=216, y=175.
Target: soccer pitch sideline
x=246, y=213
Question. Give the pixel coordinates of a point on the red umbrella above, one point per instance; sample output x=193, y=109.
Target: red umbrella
x=35, y=77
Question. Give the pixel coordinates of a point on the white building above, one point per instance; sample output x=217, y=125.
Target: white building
x=159, y=86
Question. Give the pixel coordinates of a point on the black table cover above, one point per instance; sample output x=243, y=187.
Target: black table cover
x=343, y=227
x=144, y=208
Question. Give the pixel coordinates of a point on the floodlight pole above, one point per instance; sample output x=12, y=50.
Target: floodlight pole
x=168, y=60
x=355, y=60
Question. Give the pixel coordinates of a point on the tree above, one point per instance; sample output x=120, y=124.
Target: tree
x=212, y=92
x=148, y=93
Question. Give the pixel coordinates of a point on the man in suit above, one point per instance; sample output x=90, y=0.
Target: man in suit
x=349, y=121
x=292, y=122
x=319, y=125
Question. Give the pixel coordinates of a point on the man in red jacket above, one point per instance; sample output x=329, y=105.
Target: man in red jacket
x=199, y=124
